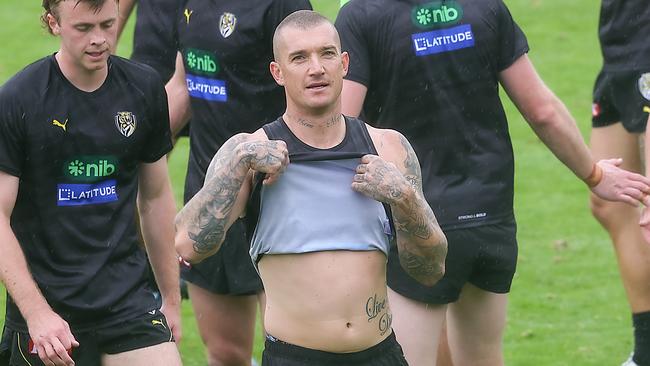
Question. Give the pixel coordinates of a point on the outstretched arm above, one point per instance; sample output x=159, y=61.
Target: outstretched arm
x=394, y=177
x=202, y=224
x=50, y=333
x=554, y=125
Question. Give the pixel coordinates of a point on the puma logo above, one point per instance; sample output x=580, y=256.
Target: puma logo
x=59, y=124
x=188, y=14
x=158, y=322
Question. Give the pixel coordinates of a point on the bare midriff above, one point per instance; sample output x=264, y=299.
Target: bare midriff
x=332, y=301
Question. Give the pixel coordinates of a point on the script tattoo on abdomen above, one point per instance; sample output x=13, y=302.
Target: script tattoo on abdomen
x=378, y=309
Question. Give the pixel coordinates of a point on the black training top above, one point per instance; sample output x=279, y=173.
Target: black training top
x=432, y=73
x=227, y=47
x=77, y=155
x=154, y=35
x=623, y=31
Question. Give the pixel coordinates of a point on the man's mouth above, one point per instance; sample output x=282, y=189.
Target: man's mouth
x=95, y=54
x=317, y=86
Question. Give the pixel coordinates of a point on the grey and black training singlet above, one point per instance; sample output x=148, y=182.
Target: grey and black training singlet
x=312, y=206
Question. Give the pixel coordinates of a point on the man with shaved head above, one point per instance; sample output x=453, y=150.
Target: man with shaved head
x=325, y=197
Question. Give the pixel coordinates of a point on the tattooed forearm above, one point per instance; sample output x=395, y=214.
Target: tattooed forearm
x=210, y=208
x=205, y=216
x=422, y=245
x=208, y=215
x=425, y=266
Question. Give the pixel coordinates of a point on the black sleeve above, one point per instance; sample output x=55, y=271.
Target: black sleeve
x=350, y=23
x=278, y=10
x=154, y=39
x=12, y=124
x=159, y=141
x=512, y=40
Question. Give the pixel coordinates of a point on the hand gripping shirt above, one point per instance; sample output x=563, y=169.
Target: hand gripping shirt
x=77, y=155
x=312, y=206
x=227, y=47
x=432, y=72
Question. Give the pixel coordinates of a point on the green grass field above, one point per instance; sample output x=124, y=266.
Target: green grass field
x=567, y=306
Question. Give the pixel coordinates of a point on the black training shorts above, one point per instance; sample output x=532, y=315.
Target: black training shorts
x=149, y=329
x=230, y=271
x=485, y=256
x=622, y=96
x=386, y=353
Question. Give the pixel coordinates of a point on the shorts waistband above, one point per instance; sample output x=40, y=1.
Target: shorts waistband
x=278, y=347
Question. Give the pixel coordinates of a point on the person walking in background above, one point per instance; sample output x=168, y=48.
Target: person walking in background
x=83, y=136
x=621, y=103
x=432, y=71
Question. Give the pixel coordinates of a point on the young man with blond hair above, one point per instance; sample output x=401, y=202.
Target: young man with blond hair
x=83, y=136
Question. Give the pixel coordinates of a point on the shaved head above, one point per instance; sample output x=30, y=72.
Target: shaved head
x=304, y=20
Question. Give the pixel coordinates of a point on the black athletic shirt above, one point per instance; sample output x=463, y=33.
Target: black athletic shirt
x=77, y=155
x=227, y=47
x=432, y=69
x=154, y=37
x=624, y=31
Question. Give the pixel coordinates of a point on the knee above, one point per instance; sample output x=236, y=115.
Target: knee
x=607, y=213
x=228, y=356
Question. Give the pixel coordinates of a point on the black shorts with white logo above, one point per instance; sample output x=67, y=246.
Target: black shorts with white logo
x=485, y=256
x=622, y=96
x=149, y=329
x=386, y=353
x=230, y=271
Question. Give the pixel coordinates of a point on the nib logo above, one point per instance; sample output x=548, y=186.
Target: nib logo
x=201, y=62
x=89, y=168
x=437, y=14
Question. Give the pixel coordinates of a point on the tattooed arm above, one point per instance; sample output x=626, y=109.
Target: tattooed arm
x=394, y=177
x=202, y=224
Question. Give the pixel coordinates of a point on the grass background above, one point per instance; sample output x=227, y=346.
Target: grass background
x=567, y=306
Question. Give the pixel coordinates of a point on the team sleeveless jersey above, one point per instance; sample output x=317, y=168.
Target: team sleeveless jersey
x=432, y=72
x=77, y=155
x=312, y=206
x=623, y=31
x=227, y=47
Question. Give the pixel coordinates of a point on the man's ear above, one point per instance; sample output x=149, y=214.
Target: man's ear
x=345, y=60
x=276, y=72
x=53, y=24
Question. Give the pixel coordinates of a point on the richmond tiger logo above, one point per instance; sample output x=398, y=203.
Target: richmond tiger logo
x=125, y=123
x=227, y=24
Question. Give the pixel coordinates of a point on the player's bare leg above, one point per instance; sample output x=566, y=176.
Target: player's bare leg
x=444, y=354
x=475, y=326
x=226, y=324
x=622, y=221
x=417, y=327
x=164, y=354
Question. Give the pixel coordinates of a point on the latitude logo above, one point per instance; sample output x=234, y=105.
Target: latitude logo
x=201, y=62
x=436, y=14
